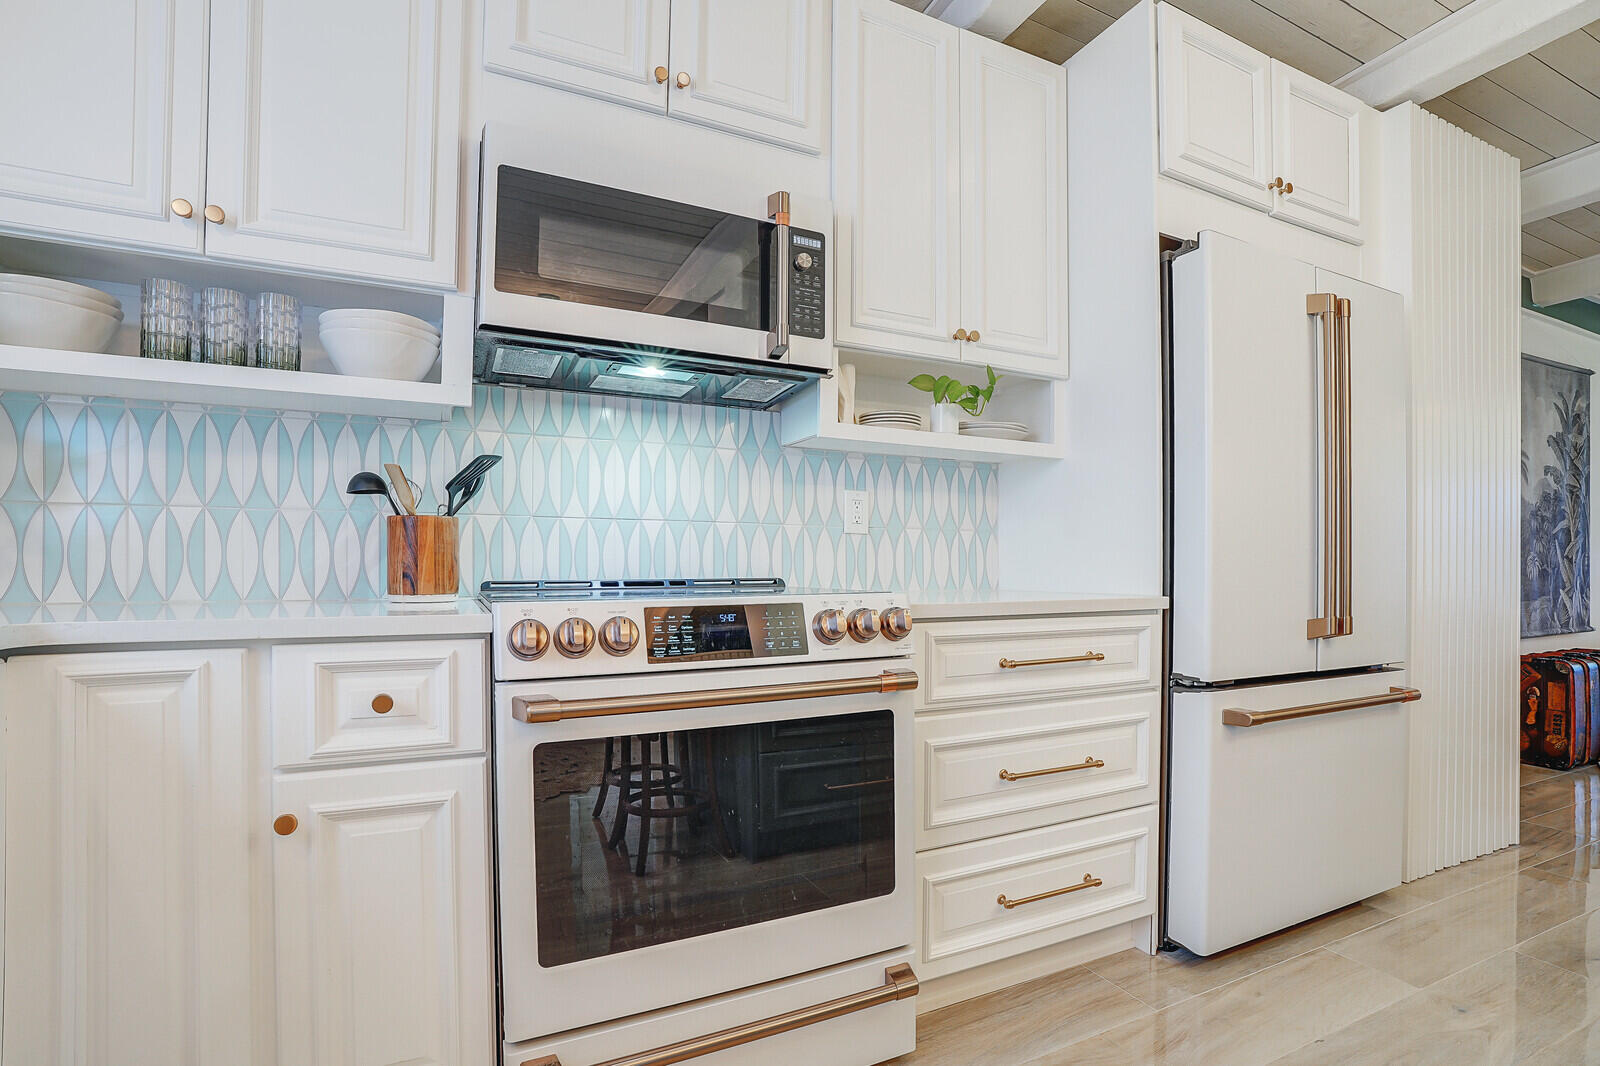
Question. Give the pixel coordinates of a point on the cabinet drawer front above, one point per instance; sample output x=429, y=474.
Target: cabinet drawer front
x=962, y=659
x=1049, y=752
x=363, y=702
x=1105, y=865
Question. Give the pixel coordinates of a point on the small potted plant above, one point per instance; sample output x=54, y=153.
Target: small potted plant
x=949, y=395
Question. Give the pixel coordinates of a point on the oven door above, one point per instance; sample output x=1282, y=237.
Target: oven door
x=779, y=837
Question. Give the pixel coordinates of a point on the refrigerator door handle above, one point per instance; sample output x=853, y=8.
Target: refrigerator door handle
x=1325, y=306
x=1346, y=621
x=1240, y=717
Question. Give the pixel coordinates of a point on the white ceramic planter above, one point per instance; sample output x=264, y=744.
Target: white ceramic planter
x=944, y=418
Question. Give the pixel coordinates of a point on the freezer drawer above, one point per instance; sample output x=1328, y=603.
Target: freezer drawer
x=1278, y=822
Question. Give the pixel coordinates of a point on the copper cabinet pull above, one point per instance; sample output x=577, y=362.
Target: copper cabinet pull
x=661, y=75
x=538, y=709
x=284, y=824
x=683, y=79
x=898, y=983
x=1089, y=763
x=860, y=784
x=383, y=703
x=1089, y=881
x=1086, y=657
x=1241, y=717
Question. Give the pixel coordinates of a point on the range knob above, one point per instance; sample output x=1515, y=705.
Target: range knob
x=619, y=635
x=828, y=626
x=528, y=639
x=896, y=623
x=574, y=638
x=803, y=261
x=863, y=624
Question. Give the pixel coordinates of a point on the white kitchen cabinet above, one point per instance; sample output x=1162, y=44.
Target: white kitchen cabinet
x=103, y=127
x=949, y=191
x=755, y=68
x=127, y=920
x=1245, y=126
x=382, y=900
x=613, y=49
x=1013, y=197
x=333, y=136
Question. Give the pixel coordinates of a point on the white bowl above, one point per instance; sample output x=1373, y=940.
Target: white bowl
x=40, y=322
x=366, y=353
x=387, y=329
x=350, y=316
x=66, y=291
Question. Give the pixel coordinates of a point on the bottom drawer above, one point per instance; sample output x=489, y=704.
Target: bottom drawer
x=1000, y=897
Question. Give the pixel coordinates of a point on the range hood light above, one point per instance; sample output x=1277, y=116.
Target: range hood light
x=652, y=370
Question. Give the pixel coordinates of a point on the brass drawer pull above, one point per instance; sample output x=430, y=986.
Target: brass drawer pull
x=1089, y=763
x=898, y=983
x=537, y=709
x=1089, y=881
x=1086, y=657
x=860, y=784
x=1241, y=717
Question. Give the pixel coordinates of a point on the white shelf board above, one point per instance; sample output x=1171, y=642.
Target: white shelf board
x=881, y=440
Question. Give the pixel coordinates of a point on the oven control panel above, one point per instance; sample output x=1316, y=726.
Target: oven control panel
x=702, y=632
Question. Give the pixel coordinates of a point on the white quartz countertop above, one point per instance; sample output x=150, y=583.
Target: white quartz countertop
x=935, y=606
x=30, y=627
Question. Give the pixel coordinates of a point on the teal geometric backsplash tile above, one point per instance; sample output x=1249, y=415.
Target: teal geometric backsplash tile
x=106, y=502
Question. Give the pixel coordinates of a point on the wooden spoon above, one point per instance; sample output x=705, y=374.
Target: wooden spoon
x=402, y=487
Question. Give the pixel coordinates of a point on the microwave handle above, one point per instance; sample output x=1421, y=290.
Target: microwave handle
x=782, y=252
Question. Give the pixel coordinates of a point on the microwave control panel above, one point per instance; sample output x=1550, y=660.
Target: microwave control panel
x=807, y=292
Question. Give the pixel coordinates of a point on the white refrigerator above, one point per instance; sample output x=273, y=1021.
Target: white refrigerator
x=1287, y=733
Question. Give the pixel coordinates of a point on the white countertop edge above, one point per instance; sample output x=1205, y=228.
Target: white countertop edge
x=1010, y=603
x=239, y=623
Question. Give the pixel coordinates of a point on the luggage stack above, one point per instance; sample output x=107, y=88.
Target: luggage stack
x=1560, y=699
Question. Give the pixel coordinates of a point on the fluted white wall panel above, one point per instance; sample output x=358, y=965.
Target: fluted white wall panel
x=1454, y=253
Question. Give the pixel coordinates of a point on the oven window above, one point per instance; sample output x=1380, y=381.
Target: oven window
x=642, y=840
x=560, y=239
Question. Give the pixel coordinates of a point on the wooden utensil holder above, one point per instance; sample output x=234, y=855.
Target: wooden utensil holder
x=422, y=555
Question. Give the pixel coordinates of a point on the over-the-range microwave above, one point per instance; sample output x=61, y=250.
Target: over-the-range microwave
x=650, y=287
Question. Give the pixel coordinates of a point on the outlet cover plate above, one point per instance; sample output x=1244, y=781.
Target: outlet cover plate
x=855, y=511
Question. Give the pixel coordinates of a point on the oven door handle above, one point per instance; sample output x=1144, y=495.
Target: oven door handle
x=539, y=709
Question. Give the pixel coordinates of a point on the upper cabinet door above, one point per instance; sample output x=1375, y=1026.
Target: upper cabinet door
x=334, y=136
x=896, y=180
x=103, y=124
x=757, y=67
x=1013, y=196
x=1216, y=109
x=1317, y=148
x=605, y=48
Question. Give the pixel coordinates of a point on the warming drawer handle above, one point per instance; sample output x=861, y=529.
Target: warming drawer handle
x=540, y=709
x=1089, y=763
x=1086, y=657
x=1241, y=717
x=1089, y=881
x=898, y=983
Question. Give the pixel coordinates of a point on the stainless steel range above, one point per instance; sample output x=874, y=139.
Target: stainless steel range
x=704, y=798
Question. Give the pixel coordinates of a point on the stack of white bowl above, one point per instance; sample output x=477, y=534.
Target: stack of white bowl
x=378, y=344
x=45, y=313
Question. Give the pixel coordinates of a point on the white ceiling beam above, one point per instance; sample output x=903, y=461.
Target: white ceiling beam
x=1481, y=36
x=1571, y=281
x=996, y=19
x=1563, y=184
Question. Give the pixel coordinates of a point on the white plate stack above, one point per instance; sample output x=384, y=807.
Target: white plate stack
x=996, y=430
x=890, y=419
x=378, y=344
x=45, y=313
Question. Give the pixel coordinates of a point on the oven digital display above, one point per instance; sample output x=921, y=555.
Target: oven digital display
x=724, y=631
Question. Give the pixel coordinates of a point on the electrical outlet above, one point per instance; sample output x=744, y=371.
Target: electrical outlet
x=855, y=511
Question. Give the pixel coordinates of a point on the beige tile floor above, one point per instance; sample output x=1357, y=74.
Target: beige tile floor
x=1493, y=961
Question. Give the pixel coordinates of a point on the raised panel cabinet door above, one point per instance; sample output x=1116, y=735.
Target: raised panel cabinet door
x=896, y=182
x=1316, y=133
x=756, y=67
x=1014, y=207
x=127, y=892
x=103, y=122
x=606, y=48
x=1215, y=109
x=382, y=908
x=335, y=136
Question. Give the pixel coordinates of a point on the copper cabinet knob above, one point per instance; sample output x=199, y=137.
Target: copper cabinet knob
x=683, y=79
x=528, y=639
x=284, y=824
x=828, y=626
x=1288, y=187
x=863, y=625
x=619, y=635
x=661, y=75
x=215, y=213
x=1275, y=183
x=182, y=208
x=896, y=623
x=959, y=335
x=574, y=638
x=973, y=336
x=383, y=703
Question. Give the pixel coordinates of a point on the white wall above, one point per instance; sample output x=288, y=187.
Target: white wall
x=1558, y=342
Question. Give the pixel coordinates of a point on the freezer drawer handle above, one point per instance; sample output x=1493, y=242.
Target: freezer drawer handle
x=1089, y=763
x=1089, y=881
x=898, y=983
x=1240, y=716
x=1086, y=657
x=538, y=709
